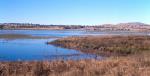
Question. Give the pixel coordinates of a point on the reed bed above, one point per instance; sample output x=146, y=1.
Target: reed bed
x=128, y=56
x=106, y=45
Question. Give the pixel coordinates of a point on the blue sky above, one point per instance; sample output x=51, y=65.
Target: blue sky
x=74, y=11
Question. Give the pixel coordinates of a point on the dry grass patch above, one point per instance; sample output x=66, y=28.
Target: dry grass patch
x=106, y=45
x=114, y=66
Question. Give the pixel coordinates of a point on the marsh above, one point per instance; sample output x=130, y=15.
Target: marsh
x=28, y=45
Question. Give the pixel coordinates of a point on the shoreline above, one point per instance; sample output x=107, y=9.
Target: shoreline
x=136, y=63
x=23, y=36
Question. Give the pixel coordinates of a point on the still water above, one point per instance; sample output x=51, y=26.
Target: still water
x=37, y=49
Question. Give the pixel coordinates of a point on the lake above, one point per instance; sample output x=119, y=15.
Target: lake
x=37, y=49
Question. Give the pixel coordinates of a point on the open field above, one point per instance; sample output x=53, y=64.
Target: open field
x=22, y=36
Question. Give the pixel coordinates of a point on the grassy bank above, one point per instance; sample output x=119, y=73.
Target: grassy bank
x=106, y=45
x=137, y=65
x=22, y=36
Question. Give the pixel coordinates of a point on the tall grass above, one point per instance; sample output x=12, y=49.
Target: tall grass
x=135, y=65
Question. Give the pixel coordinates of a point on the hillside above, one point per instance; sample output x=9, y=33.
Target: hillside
x=132, y=26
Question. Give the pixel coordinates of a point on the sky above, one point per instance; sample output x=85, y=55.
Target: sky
x=83, y=12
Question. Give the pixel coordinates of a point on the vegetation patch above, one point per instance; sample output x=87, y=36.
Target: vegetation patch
x=137, y=65
x=106, y=45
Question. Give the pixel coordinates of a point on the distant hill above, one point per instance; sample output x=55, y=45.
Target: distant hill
x=131, y=26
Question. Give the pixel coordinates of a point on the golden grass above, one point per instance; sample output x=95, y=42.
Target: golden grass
x=106, y=45
x=135, y=65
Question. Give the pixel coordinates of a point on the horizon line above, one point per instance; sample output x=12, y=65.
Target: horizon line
x=72, y=24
